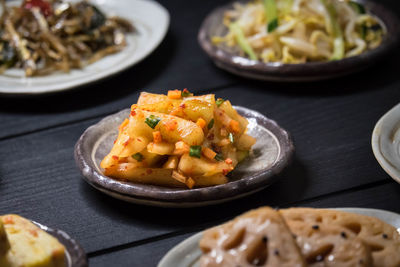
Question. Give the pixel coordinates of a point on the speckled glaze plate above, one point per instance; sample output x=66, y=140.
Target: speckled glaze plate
x=75, y=256
x=270, y=155
x=187, y=253
x=311, y=71
x=386, y=142
x=151, y=21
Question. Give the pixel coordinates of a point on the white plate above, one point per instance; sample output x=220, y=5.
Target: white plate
x=151, y=21
x=386, y=142
x=187, y=253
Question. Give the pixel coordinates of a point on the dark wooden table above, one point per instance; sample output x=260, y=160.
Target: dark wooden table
x=331, y=123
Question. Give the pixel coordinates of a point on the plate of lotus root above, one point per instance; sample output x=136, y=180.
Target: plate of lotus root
x=295, y=237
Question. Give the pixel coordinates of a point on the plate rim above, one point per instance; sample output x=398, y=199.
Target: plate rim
x=98, y=77
x=187, y=242
x=181, y=198
x=376, y=149
x=77, y=255
x=303, y=72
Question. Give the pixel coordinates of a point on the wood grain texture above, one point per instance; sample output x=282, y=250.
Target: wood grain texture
x=39, y=179
x=177, y=63
x=331, y=123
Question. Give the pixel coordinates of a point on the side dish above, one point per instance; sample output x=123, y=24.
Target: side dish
x=27, y=245
x=299, y=31
x=301, y=237
x=179, y=140
x=43, y=36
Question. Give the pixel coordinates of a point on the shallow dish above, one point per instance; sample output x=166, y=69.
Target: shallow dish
x=386, y=142
x=187, y=253
x=310, y=71
x=271, y=154
x=151, y=21
x=74, y=254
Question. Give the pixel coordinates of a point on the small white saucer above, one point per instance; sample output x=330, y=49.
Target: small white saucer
x=386, y=142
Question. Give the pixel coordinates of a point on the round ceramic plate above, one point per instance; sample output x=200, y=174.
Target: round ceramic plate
x=75, y=256
x=311, y=71
x=187, y=253
x=151, y=21
x=270, y=155
x=386, y=142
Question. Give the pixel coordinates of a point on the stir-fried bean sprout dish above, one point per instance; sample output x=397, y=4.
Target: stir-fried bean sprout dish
x=299, y=31
x=41, y=36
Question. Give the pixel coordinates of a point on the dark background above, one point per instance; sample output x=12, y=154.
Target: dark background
x=331, y=122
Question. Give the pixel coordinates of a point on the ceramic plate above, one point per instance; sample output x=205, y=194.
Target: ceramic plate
x=230, y=61
x=271, y=153
x=386, y=142
x=75, y=256
x=151, y=21
x=187, y=253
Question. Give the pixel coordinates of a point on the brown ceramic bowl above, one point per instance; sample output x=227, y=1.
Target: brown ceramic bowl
x=271, y=154
x=310, y=71
x=75, y=256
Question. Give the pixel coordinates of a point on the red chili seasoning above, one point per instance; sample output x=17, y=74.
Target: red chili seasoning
x=133, y=113
x=44, y=6
x=126, y=142
x=33, y=232
x=8, y=220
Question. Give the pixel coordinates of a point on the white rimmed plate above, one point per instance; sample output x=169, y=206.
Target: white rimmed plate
x=386, y=142
x=187, y=253
x=151, y=21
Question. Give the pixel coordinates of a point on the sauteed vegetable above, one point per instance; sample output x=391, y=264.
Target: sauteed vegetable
x=298, y=31
x=45, y=36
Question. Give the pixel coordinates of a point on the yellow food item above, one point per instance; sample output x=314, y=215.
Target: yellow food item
x=29, y=245
x=179, y=140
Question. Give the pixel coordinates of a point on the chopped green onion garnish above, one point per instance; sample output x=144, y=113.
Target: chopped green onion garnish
x=272, y=15
x=137, y=156
x=210, y=124
x=241, y=40
x=230, y=136
x=359, y=8
x=186, y=93
x=195, y=151
x=219, y=157
x=219, y=101
x=364, y=30
x=338, y=42
x=152, y=121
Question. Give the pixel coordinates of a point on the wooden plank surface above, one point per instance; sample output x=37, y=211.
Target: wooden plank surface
x=331, y=122
x=333, y=154
x=179, y=62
